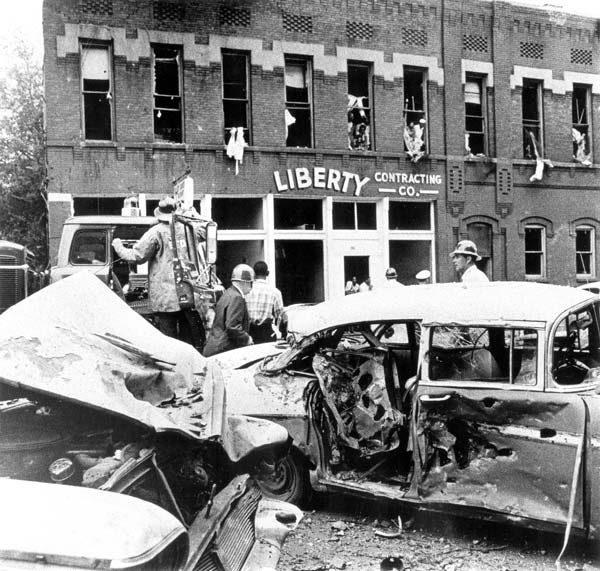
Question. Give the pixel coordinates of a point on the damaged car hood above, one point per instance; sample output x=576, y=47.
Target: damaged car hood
x=78, y=341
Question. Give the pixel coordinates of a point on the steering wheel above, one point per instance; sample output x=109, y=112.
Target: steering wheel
x=565, y=356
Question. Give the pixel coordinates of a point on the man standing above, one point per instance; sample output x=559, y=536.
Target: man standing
x=391, y=279
x=231, y=325
x=265, y=306
x=155, y=248
x=366, y=285
x=464, y=257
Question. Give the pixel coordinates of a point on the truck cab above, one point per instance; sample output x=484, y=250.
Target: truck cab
x=85, y=244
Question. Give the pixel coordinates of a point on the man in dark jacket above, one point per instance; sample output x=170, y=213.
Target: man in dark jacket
x=230, y=328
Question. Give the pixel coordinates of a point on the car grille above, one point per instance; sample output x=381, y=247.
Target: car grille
x=232, y=545
x=12, y=282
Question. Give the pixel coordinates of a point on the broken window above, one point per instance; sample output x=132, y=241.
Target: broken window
x=585, y=251
x=298, y=214
x=359, y=106
x=298, y=103
x=167, y=110
x=474, y=116
x=236, y=98
x=238, y=213
x=576, y=347
x=581, y=124
x=494, y=354
x=415, y=115
x=531, y=104
x=96, y=89
x=535, y=251
x=354, y=216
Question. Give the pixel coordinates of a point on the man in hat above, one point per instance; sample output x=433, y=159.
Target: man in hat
x=265, y=306
x=154, y=247
x=464, y=257
x=231, y=325
x=391, y=279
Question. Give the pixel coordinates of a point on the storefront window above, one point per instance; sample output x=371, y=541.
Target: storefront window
x=409, y=216
x=299, y=270
x=409, y=257
x=230, y=253
x=238, y=213
x=354, y=216
x=298, y=214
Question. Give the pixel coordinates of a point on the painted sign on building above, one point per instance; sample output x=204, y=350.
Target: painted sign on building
x=403, y=184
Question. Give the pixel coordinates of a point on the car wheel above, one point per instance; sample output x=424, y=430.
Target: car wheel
x=287, y=480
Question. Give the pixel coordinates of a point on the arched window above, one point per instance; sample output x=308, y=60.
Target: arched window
x=585, y=251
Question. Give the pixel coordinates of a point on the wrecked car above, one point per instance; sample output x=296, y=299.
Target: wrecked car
x=477, y=399
x=92, y=395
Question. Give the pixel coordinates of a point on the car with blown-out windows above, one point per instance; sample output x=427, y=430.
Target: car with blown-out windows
x=93, y=396
x=472, y=399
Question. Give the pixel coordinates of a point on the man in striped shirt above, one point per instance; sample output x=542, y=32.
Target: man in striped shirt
x=265, y=306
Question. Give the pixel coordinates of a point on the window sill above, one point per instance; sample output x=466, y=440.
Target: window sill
x=536, y=279
x=586, y=279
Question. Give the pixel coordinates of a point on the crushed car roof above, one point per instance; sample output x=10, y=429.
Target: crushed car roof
x=79, y=341
x=444, y=303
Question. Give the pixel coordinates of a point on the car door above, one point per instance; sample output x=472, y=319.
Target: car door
x=486, y=434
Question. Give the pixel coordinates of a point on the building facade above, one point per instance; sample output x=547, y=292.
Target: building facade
x=335, y=138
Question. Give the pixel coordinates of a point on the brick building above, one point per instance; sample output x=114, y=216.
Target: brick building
x=372, y=133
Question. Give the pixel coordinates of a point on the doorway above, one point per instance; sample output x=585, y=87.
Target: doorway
x=356, y=266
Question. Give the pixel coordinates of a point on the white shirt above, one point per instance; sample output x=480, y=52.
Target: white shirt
x=392, y=284
x=474, y=275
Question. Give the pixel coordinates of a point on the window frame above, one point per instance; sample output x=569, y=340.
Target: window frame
x=96, y=44
x=591, y=253
x=412, y=115
x=356, y=207
x=529, y=124
x=584, y=127
x=481, y=81
x=541, y=253
x=246, y=101
x=307, y=105
x=156, y=95
x=367, y=109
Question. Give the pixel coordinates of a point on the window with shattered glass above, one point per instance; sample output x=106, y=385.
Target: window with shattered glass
x=474, y=91
x=354, y=215
x=415, y=114
x=96, y=90
x=168, y=110
x=576, y=347
x=359, y=106
x=298, y=102
x=580, y=104
x=585, y=252
x=236, y=98
x=531, y=106
x=489, y=354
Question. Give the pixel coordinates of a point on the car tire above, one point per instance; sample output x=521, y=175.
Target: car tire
x=289, y=481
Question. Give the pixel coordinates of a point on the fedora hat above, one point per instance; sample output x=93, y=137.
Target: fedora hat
x=466, y=248
x=165, y=208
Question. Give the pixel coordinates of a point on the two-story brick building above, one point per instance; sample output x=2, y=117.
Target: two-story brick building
x=335, y=138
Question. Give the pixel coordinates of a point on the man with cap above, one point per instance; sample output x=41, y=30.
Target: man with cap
x=391, y=279
x=231, y=325
x=464, y=257
x=265, y=305
x=155, y=248
x=423, y=277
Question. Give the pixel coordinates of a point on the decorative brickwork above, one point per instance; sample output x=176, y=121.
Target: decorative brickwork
x=475, y=43
x=297, y=23
x=581, y=57
x=359, y=30
x=414, y=37
x=531, y=50
x=230, y=16
x=100, y=7
x=168, y=11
